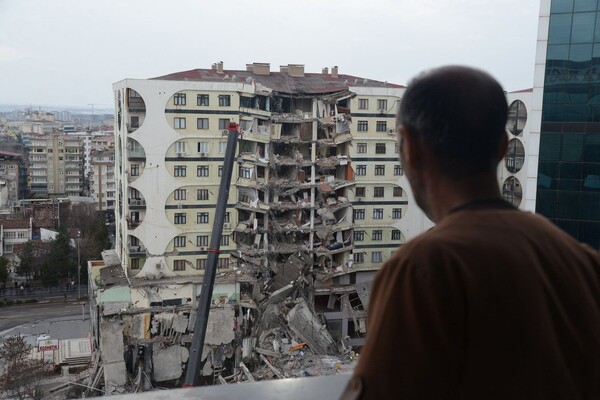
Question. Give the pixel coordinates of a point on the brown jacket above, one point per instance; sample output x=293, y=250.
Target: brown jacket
x=490, y=304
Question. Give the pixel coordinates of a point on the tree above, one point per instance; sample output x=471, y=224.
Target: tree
x=30, y=264
x=3, y=270
x=60, y=262
x=22, y=375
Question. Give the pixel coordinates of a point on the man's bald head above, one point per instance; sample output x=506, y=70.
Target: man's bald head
x=459, y=114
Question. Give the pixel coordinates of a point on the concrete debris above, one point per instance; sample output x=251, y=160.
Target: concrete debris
x=168, y=362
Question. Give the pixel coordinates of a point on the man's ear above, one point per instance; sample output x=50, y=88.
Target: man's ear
x=409, y=148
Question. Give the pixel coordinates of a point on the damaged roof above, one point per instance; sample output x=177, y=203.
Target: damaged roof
x=282, y=82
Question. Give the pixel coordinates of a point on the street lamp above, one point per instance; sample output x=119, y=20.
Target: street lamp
x=78, y=267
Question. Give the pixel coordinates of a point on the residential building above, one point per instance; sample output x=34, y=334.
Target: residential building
x=565, y=92
x=11, y=170
x=102, y=179
x=56, y=166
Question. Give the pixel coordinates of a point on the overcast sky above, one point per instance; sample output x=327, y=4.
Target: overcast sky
x=69, y=52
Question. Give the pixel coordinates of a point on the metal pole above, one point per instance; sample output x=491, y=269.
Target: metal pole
x=193, y=367
x=78, y=268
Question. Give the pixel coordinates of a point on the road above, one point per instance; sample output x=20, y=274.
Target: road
x=12, y=316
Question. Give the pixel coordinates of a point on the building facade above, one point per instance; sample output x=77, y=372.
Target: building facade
x=56, y=166
x=567, y=84
x=102, y=187
x=11, y=171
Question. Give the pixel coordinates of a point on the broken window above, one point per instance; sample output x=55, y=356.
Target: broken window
x=359, y=213
x=361, y=170
x=376, y=257
x=223, y=124
x=363, y=126
x=360, y=192
x=180, y=218
x=179, y=241
x=398, y=170
x=396, y=234
x=179, y=170
x=179, y=194
x=359, y=258
x=381, y=126
x=359, y=236
x=382, y=105
x=201, y=263
x=377, y=235
x=397, y=191
x=202, y=123
x=224, y=100
x=245, y=172
x=202, y=218
x=202, y=194
x=378, y=191
x=379, y=148
x=380, y=170
x=202, y=100
x=202, y=170
x=396, y=213
x=178, y=265
x=378, y=213
x=363, y=104
x=202, y=240
x=179, y=123
x=361, y=148
x=179, y=99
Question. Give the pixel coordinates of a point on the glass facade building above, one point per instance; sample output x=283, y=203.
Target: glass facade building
x=568, y=186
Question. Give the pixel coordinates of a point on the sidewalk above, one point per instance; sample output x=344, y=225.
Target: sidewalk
x=43, y=293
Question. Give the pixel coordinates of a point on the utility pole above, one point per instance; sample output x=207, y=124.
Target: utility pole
x=78, y=267
x=208, y=280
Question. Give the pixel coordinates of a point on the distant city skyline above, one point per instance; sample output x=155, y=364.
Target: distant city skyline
x=68, y=53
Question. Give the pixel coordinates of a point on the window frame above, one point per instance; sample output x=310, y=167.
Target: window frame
x=200, y=100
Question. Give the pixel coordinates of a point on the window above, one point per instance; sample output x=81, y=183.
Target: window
x=223, y=263
x=220, y=170
x=397, y=191
x=359, y=214
x=396, y=148
x=178, y=265
x=376, y=257
x=179, y=99
x=202, y=218
x=361, y=170
x=180, y=218
x=378, y=213
x=396, y=213
x=360, y=192
x=179, y=147
x=179, y=123
x=359, y=236
x=202, y=170
x=135, y=263
x=202, y=147
x=135, y=121
x=223, y=123
x=202, y=100
x=396, y=235
x=201, y=263
x=378, y=191
x=202, y=123
x=227, y=217
x=377, y=235
x=225, y=240
x=380, y=170
x=398, y=170
x=202, y=194
x=363, y=104
x=359, y=258
x=222, y=147
x=381, y=126
x=379, y=148
x=179, y=241
x=180, y=170
x=363, y=126
x=224, y=100
x=245, y=172
x=361, y=148
x=382, y=105
x=135, y=169
x=179, y=194
x=202, y=241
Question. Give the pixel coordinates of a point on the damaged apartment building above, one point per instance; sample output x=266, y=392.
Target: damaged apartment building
x=317, y=204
